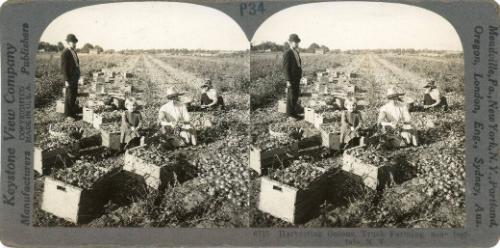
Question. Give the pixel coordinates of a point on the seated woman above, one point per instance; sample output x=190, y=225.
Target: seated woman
x=132, y=122
x=433, y=98
x=174, y=118
x=350, y=123
x=395, y=121
x=210, y=97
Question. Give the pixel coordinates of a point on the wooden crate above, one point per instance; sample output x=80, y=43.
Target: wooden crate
x=282, y=106
x=319, y=119
x=260, y=160
x=289, y=203
x=373, y=177
x=99, y=87
x=158, y=176
x=73, y=203
x=88, y=115
x=60, y=107
x=111, y=139
x=330, y=140
x=99, y=120
x=46, y=159
x=309, y=115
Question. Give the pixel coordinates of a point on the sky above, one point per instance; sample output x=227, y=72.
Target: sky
x=149, y=25
x=361, y=25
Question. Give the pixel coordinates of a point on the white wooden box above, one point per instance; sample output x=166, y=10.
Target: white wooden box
x=372, y=176
x=261, y=160
x=46, y=159
x=289, y=203
x=73, y=203
x=88, y=115
x=282, y=106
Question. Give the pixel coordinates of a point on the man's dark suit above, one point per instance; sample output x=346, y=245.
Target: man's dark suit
x=70, y=67
x=292, y=70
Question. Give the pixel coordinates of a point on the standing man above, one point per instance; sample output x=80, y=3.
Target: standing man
x=292, y=68
x=70, y=66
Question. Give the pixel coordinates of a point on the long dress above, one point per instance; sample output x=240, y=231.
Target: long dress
x=348, y=120
x=130, y=119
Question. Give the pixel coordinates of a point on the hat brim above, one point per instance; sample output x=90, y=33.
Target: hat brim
x=295, y=40
x=72, y=40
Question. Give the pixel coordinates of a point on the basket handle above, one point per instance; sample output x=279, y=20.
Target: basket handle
x=278, y=188
x=61, y=188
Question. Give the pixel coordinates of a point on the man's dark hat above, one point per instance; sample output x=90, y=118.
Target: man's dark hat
x=71, y=37
x=294, y=37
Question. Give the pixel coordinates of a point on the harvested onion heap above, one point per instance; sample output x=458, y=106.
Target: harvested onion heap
x=225, y=176
x=331, y=127
x=287, y=129
x=265, y=142
x=299, y=175
x=114, y=115
x=111, y=127
x=84, y=174
x=102, y=108
x=324, y=109
x=49, y=142
x=151, y=155
x=369, y=155
x=332, y=116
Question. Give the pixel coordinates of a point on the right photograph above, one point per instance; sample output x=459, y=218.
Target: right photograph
x=357, y=118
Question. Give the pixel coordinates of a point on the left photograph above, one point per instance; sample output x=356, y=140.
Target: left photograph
x=141, y=118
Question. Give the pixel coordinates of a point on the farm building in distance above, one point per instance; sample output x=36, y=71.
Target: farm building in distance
x=320, y=51
x=94, y=51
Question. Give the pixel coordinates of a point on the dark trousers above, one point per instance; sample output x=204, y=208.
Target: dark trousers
x=71, y=107
x=429, y=101
x=293, y=94
x=205, y=100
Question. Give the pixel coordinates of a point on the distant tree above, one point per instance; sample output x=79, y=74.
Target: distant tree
x=325, y=48
x=86, y=47
x=99, y=49
x=60, y=46
x=313, y=47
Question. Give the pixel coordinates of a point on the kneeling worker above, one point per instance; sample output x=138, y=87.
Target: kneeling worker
x=433, y=98
x=210, y=97
x=174, y=117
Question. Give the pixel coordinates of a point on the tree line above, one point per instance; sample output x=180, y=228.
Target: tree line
x=47, y=47
x=273, y=47
x=269, y=46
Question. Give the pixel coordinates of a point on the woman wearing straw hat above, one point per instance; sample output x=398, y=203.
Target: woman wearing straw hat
x=433, y=98
x=395, y=121
x=174, y=117
x=132, y=122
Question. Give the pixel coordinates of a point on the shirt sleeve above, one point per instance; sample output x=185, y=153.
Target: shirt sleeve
x=406, y=114
x=185, y=114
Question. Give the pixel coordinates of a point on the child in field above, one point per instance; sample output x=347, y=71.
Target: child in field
x=132, y=123
x=350, y=123
x=338, y=104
